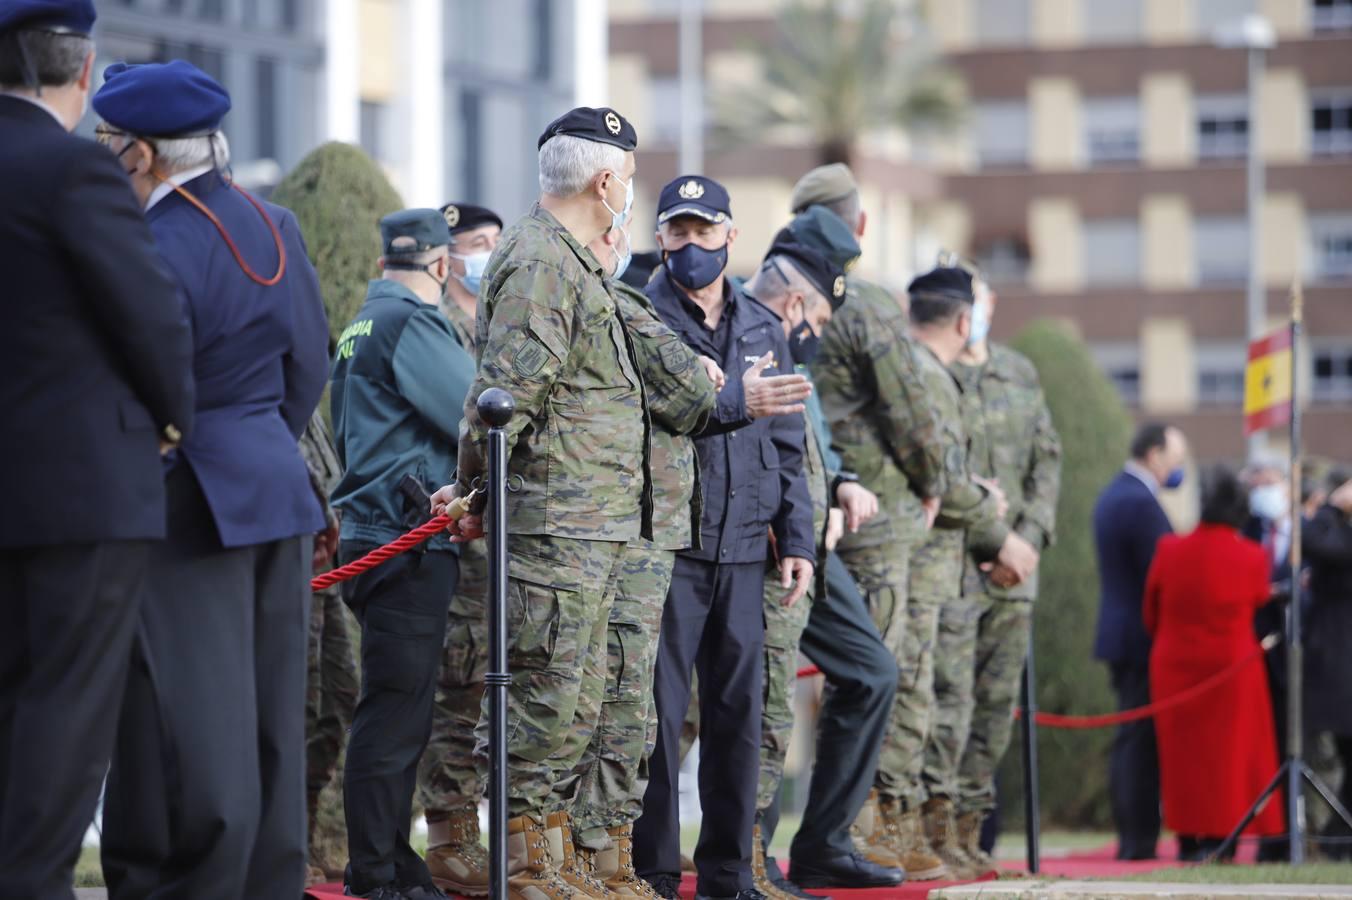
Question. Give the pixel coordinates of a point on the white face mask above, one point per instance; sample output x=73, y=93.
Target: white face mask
x=475, y=263
x=1269, y=502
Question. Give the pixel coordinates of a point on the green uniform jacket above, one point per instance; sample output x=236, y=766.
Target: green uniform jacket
x=680, y=397
x=550, y=335
x=1012, y=440
x=881, y=422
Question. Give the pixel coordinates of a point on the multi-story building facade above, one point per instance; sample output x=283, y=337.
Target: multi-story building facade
x=1102, y=179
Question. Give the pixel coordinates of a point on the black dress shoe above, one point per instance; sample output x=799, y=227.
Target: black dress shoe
x=851, y=870
x=748, y=894
x=794, y=890
x=423, y=892
x=668, y=887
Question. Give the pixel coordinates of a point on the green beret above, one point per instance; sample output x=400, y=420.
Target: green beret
x=827, y=233
x=824, y=184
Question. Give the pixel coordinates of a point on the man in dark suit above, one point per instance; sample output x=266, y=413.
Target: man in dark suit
x=207, y=791
x=95, y=379
x=1128, y=522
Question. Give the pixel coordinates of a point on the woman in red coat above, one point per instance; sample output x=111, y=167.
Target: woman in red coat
x=1217, y=752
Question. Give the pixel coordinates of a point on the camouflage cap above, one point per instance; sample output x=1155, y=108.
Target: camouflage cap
x=412, y=231
x=824, y=184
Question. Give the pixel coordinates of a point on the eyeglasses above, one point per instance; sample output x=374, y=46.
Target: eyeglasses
x=105, y=135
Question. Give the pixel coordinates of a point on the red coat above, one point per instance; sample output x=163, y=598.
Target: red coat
x=1217, y=752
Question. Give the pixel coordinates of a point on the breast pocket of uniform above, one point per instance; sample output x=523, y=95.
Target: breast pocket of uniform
x=769, y=494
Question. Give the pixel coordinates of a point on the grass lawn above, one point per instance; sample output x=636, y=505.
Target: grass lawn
x=1268, y=873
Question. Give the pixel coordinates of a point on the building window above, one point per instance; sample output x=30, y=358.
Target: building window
x=290, y=14
x=1002, y=21
x=1116, y=22
x=1112, y=252
x=1331, y=123
x=266, y=108
x=1221, y=245
x=1002, y=133
x=1004, y=260
x=1331, y=15
x=1332, y=238
x=1332, y=373
x=372, y=119
x=1212, y=13
x=211, y=10
x=1112, y=130
x=664, y=110
x=471, y=121
x=1220, y=374
x=544, y=39
x=1222, y=126
x=1121, y=362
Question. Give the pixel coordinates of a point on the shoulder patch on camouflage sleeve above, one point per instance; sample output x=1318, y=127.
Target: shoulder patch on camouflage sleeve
x=528, y=355
x=675, y=357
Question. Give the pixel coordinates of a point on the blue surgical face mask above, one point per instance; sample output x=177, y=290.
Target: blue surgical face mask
x=1175, y=478
x=622, y=260
x=981, y=324
x=475, y=264
x=617, y=219
x=693, y=267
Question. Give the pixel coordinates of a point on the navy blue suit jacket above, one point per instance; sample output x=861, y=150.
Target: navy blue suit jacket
x=1128, y=523
x=260, y=355
x=97, y=357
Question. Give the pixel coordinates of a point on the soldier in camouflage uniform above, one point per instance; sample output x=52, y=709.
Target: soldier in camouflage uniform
x=550, y=334
x=983, y=638
x=331, y=682
x=680, y=394
x=449, y=787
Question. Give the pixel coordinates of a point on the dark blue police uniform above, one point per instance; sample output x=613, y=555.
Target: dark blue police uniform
x=206, y=795
x=753, y=483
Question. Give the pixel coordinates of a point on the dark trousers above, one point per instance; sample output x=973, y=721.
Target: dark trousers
x=1134, y=767
x=861, y=679
x=206, y=795
x=70, y=612
x=402, y=607
x=712, y=623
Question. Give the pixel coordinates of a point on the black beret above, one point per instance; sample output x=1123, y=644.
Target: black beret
x=465, y=216
x=949, y=282
x=694, y=195
x=825, y=275
x=602, y=125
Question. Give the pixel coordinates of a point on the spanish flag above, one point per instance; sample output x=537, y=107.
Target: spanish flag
x=1267, y=382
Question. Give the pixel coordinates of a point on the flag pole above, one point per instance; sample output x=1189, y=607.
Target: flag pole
x=1295, y=651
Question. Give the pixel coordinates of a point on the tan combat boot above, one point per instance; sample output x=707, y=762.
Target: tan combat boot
x=559, y=831
x=907, y=839
x=870, y=835
x=969, y=838
x=759, y=877
x=614, y=867
x=314, y=875
x=942, y=835
x=531, y=873
x=455, y=858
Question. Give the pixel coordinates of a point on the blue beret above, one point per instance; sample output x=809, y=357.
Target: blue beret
x=603, y=125
x=945, y=282
x=694, y=195
x=60, y=16
x=413, y=231
x=171, y=100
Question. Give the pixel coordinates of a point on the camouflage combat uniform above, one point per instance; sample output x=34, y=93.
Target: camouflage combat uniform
x=983, y=638
x=966, y=516
x=680, y=396
x=551, y=336
x=331, y=683
x=448, y=781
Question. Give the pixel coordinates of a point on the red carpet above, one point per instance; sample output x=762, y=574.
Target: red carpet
x=1083, y=864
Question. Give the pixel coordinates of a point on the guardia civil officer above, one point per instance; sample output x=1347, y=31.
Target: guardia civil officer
x=95, y=379
x=206, y=797
x=751, y=470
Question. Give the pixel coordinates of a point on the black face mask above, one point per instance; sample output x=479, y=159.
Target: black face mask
x=693, y=267
x=803, y=344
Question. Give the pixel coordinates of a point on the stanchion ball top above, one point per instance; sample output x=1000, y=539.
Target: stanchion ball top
x=496, y=407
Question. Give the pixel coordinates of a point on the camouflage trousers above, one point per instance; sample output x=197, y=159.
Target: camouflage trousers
x=330, y=692
x=909, y=624
x=1004, y=627
x=613, y=779
x=951, y=715
x=559, y=594
x=448, y=780
x=783, y=631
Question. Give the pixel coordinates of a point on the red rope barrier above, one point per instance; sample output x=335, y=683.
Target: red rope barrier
x=381, y=554
x=1055, y=720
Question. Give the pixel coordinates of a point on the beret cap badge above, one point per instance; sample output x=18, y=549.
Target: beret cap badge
x=838, y=288
x=452, y=215
x=612, y=122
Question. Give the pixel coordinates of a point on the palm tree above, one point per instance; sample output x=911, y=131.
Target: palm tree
x=837, y=69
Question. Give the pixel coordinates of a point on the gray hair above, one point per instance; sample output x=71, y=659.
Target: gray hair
x=568, y=164
x=181, y=154
x=56, y=59
x=779, y=275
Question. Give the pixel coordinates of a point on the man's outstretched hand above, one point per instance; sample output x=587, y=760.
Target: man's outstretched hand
x=775, y=395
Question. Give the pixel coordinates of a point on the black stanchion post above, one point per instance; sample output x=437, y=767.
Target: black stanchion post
x=495, y=408
x=1032, y=823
